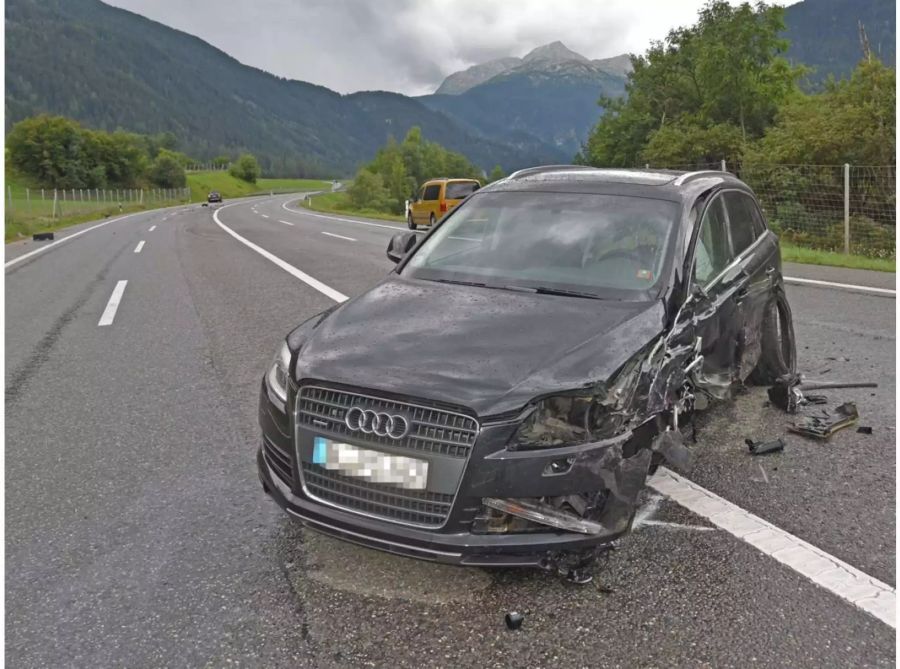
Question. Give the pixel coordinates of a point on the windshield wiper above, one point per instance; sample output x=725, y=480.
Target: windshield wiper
x=460, y=283
x=543, y=290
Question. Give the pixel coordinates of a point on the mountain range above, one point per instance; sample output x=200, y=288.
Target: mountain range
x=110, y=68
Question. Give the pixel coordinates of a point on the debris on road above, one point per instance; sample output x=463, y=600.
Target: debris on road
x=514, y=620
x=763, y=447
x=864, y=429
x=822, y=426
x=787, y=393
x=42, y=237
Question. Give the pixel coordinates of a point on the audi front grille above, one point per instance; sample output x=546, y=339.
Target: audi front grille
x=431, y=430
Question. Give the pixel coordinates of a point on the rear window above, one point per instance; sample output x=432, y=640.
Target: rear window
x=432, y=192
x=457, y=190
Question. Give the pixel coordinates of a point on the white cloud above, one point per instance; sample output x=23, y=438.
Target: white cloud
x=409, y=46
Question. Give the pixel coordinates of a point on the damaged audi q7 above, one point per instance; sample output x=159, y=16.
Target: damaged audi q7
x=502, y=395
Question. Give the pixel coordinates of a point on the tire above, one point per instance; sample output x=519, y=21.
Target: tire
x=431, y=221
x=409, y=221
x=779, y=350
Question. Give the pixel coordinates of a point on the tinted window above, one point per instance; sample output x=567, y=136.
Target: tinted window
x=598, y=244
x=432, y=192
x=712, y=253
x=742, y=217
x=460, y=189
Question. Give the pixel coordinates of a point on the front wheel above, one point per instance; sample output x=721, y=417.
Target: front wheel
x=779, y=350
x=409, y=221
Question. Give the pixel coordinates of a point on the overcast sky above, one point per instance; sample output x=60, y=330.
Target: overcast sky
x=409, y=46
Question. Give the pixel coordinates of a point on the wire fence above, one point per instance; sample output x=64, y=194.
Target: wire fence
x=32, y=207
x=843, y=208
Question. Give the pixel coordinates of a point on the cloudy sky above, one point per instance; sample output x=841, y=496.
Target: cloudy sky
x=409, y=46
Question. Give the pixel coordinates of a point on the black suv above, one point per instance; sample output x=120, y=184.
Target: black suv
x=501, y=396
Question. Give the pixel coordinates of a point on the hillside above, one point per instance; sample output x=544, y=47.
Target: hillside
x=824, y=34
x=110, y=68
x=549, y=96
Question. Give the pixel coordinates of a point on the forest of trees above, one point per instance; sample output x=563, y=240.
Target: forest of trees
x=57, y=152
x=722, y=89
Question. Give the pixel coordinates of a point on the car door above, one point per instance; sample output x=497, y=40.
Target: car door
x=717, y=312
x=430, y=203
x=756, y=253
x=417, y=206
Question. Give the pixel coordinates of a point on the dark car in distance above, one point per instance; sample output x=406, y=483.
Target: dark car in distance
x=214, y=196
x=501, y=396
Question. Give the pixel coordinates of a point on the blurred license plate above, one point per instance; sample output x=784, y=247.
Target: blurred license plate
x=373, y=466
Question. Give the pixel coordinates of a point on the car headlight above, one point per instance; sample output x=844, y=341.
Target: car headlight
x=569, y=420
x=277, y=376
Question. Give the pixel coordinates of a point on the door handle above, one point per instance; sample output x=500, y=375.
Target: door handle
x=742, y=294
x=770, y=271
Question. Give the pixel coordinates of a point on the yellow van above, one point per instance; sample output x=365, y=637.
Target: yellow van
x=436, y=197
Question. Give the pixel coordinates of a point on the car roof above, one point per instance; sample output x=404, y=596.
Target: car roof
x=654, y=183
x=443, y=179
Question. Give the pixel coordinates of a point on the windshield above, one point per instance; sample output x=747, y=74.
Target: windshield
x=595, y=245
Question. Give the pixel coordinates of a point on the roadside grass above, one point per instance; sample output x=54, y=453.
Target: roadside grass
x=201, y=183
x=338, y=203
x=801, y=254
x=21, y=228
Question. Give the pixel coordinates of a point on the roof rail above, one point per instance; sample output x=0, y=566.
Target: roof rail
x=687, y=176
x=528, y=171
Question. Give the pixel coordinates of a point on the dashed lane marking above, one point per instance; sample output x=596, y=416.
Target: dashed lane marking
x=331, y=234
x=286, y=222
x=112, y=306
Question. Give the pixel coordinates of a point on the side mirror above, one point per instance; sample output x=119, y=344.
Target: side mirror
x=400, y=245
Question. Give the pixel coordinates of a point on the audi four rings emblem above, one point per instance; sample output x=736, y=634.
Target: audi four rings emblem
x=379, y=423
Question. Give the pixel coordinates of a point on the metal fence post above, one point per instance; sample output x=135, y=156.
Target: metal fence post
x=28, y=199
x=724, y=166
x=9, y=192
x=847, y=208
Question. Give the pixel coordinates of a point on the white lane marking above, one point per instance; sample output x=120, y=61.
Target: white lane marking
x=152, y=228
x=844, y=286
x=827, y=571
x=286, y=222
x=137, y=249
x=331, y=234
x=290, y=269
x=264, y=215
x=307, y=212
x=113, y=305
x=25, y=256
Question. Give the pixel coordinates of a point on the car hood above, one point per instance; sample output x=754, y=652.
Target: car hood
x=489, y=350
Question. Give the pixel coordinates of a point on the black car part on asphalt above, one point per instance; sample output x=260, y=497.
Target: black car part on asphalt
x=598, y=389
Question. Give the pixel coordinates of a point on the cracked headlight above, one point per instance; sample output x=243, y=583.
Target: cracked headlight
x=569, y=420
x=277, y=376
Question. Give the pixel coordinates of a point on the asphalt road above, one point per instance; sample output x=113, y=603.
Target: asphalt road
x=137, y=533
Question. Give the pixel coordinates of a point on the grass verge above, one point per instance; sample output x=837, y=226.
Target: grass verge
x=338, y=203
x=801, y=254
x=16, y=229
x=201, y=183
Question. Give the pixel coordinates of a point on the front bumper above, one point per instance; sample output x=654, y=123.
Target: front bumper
x=491, y=472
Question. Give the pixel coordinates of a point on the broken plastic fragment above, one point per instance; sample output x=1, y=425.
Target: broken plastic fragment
x=864, y=429
x=514, y=620
x=670, y=445
x=545, y=514
x=763, y=447
x=824, y=425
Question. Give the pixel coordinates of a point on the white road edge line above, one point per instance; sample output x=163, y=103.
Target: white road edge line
x=844, y=286
x=152, y=228
x=826, y=571
x=290, y=269
x=331, y=234
x=137, y=249
x=307, y=212
x=113, y=305
x=286, y=222
x=25, y=256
